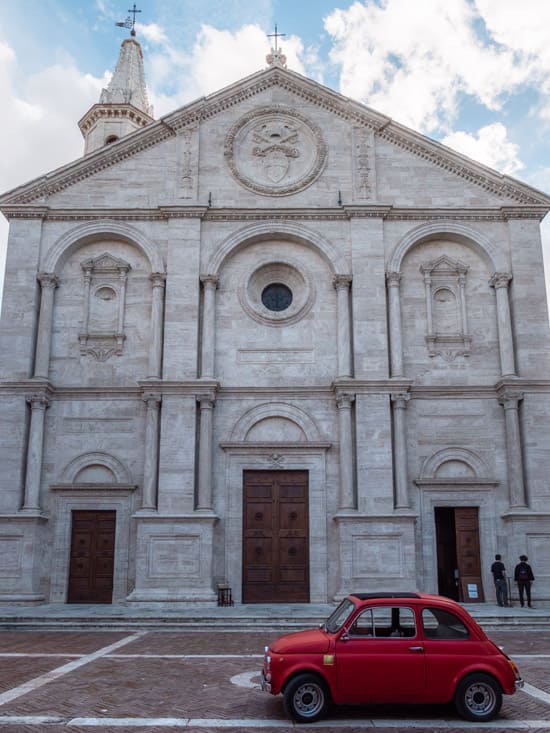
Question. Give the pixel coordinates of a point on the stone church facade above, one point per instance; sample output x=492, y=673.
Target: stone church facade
x=273, y=340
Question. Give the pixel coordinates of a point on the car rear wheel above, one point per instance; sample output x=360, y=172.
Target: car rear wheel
x=478, y=697
x=306, y=698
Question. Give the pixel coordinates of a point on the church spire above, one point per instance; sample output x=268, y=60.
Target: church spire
x=123, y=107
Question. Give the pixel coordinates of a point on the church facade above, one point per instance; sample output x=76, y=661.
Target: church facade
x=273, y=341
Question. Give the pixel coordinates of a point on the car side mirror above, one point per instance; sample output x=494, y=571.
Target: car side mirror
x=344, y=636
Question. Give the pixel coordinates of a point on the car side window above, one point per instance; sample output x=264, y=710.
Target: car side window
x=440, y=624
x=385, y=622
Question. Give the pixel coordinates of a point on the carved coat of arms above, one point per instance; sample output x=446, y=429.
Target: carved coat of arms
x=275, y=150
x=276, y=144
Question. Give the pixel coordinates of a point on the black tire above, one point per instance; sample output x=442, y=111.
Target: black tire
x=306, y=698
x=478, y=697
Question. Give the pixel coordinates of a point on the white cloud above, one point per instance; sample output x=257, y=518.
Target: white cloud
x=489, y=146
x=413, y=60
x=217, y=58
x=39, y=122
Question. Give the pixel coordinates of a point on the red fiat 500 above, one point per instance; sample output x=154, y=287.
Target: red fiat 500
x=398, y=648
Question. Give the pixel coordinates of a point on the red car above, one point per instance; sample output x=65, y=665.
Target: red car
x=390, y=648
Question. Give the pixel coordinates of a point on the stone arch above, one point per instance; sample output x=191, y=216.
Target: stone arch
x=455, y=231
x=267, y=230
x=433, y=464
x=275, y=410
x=113, y=465
x=90, y=231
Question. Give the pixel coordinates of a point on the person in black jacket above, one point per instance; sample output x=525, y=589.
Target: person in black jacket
x=499, y=576
x=523, y=575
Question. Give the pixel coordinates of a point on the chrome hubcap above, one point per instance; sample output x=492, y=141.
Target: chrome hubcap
x=480, y=699
x=308, y=700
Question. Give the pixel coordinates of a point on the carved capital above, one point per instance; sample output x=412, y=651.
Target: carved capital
x=500, y=280
x=152, y=400
x=206, y=401
x=38, y=401
x=510, y=399
x=341, y=282
x=48, y=280
x=209, y=281
x=399, y=400
x=344, y=400
x=157, y=279
x=393, y=279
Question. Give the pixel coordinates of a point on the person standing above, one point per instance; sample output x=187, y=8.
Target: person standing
x=499, y=576
x=523, y=575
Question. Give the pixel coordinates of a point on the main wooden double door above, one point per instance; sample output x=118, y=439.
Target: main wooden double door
x=92, y=557
x=275, y=537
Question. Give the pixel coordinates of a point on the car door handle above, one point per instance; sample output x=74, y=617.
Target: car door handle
x=416, y=648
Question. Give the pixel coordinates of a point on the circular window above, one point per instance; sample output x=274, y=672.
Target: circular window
x=277, y=297
x=277, y=293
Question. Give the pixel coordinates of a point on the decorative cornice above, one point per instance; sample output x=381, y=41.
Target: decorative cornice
x=113, y=111
x=339, y=213
x=303, y=88
x=201, y=386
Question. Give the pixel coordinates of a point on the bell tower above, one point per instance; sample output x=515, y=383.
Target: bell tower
x=123, y=107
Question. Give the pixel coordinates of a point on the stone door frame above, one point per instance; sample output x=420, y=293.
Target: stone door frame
x=90, y=497
x=455, y=494
x=309, y=457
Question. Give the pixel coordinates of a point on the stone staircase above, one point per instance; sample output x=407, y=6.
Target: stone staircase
x=254, y=617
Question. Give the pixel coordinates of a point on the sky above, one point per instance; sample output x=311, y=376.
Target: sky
x=471, y=74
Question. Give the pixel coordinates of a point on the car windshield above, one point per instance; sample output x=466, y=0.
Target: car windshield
x=339, y=616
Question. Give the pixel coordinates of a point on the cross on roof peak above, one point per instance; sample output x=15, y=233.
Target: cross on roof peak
x=130, y=23
x=276, y=36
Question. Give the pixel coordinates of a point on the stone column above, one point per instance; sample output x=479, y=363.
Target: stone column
x=345, y=430
x=48, y=283
x=150, y=466
x=342, y=285
x=500, y=282
x=157, y=318
x=399, y=402
x=31, y=500
x=210, y=283
x=204, y=494
x=510, y=401
x=396, y=342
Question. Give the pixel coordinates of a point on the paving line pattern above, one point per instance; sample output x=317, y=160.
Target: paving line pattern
x=54, y=674
x=224, y=723
x=252, y=723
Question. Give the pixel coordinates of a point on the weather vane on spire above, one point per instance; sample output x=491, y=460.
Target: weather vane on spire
x=276, y=57
x=130, y=23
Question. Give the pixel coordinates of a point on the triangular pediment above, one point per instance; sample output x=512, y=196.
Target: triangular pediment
x=105, y=263
x=508, y=189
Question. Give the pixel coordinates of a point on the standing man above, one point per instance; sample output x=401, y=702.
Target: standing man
x=499, y=576
x=523, y=575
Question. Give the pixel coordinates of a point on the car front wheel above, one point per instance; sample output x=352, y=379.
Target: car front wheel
x=478, y=697
x=306, y=698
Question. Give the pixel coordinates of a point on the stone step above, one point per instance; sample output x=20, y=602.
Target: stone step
x=234, y=618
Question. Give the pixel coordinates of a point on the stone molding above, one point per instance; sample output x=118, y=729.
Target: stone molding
x=306, y=89
x=294, y=414
x=432, y=464
x=452, y=229
x=112, y=111
x=117, y=468
x=253, y=233
x=340, y=213
x=107, y=228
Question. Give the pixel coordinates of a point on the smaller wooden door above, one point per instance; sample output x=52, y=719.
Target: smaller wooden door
x=458, y=553
x=92, y=557
x=468, y=555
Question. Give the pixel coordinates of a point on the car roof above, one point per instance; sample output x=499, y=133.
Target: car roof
x=371, y=596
